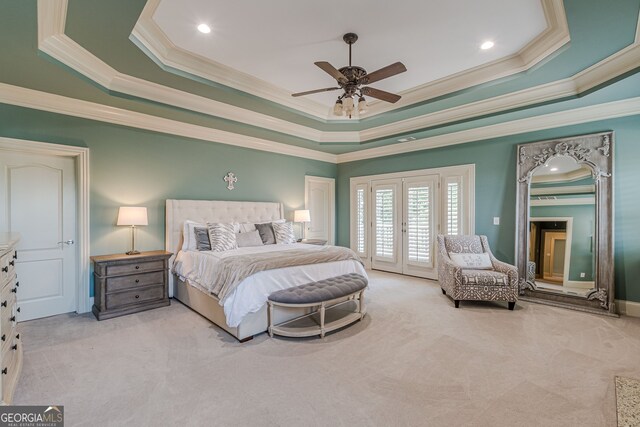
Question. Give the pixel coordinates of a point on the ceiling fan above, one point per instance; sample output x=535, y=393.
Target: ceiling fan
x=351, y=78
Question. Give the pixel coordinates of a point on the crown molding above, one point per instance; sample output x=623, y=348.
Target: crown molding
x=610, y=110
x=58, y=104
x=53, y=41
x=29, y=98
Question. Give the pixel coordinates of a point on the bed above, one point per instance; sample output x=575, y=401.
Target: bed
x=246, y=312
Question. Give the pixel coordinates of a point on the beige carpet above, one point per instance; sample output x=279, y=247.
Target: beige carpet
x=414, y=360
x=628, y=402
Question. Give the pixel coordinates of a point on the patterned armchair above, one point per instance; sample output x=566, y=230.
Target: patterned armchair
x=497, y=284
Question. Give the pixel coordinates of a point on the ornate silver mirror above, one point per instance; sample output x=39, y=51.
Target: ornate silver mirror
x=564, y=240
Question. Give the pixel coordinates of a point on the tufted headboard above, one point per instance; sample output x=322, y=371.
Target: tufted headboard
x=178, y=211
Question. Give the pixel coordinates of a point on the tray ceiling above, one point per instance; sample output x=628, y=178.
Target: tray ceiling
x=278, y=41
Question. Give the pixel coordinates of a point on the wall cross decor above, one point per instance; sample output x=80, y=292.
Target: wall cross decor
x=230, y=179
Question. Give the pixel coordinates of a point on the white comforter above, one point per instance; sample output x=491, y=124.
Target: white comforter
x=252, y=293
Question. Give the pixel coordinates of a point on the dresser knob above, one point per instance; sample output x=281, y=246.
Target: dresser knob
x=15, y=254
x=13, y=318
x=4, y=337
x=18, y=309
x=137, y=267
x=137, y=280
x=4, y=371
x=14, y=290
x=12, y=263
x=6, y=269
x=137, y=296
x=4, y=303
x=18, y=336
x=14, y=347
x=17, y=284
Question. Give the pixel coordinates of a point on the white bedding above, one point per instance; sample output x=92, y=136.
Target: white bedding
x=252, y=293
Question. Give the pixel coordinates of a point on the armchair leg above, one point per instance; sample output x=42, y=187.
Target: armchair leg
x=443, y=291
x=457, y=303
x=512, y=305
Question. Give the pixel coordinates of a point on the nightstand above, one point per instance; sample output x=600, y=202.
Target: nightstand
x=319, y=242
x=126, y=284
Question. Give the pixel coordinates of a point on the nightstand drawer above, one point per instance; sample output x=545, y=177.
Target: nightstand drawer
x=122, y=299
x=137, y=267
x=120, y=283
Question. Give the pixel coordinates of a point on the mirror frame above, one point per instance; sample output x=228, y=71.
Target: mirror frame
x=596, y=152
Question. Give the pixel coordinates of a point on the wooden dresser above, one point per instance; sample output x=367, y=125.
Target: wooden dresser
x=126, y=284
x=11, y=343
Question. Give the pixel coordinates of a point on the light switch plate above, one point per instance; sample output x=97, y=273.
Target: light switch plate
x=496, y=220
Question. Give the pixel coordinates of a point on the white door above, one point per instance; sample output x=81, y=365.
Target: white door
x=386, y=233
x=420, y=224
x=39, y=193
x=320, y=201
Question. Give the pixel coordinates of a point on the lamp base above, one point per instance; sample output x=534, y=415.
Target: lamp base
x=133, y=253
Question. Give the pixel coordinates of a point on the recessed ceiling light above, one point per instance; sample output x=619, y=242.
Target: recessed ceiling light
x=204, y=28
x=554, y=169
x=487, y=45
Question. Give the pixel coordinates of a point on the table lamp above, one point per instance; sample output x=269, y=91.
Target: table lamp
x=132, y=216
x=302, y=216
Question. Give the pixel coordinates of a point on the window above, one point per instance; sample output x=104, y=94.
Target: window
x=384, y=223
x=418, y=224
x=360, y=220
x=453, y=206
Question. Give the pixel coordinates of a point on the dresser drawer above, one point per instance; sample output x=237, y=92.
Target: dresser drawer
x=11, y=358
x=7, y=312
x=114, y=284
x=138, y=267
x=122, y=299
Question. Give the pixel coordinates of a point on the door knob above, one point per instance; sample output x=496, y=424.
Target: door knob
x=67, y=242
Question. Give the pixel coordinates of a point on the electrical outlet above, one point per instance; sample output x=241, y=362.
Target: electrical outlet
x=583, y=275
x=496, y=220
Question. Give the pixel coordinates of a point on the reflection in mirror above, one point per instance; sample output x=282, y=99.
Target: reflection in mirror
x=562, y=221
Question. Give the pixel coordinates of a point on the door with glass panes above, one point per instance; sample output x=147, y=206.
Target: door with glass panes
x=404, y=225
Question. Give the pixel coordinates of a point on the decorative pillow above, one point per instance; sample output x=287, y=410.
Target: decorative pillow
x=480, y=261
x=222, y=237
x=251, y=238
x=284, y=232
x=266, y=233
x=202, y=238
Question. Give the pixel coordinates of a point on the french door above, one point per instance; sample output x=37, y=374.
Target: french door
x=405, y=224
x=395, y=218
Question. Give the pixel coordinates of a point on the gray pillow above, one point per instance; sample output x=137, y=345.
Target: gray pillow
x=266, y=233
x=202, y=238
x=251, y=238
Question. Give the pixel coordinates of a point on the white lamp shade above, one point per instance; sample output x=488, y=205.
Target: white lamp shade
x=132, y=215
x=301, y=216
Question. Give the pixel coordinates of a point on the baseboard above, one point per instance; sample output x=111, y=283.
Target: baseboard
x=628, y=308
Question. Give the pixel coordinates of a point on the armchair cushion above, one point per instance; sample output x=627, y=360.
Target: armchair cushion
x=476, y=261
x=484, y=278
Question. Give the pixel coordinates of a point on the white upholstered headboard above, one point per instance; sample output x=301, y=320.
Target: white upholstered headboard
x=178, y=211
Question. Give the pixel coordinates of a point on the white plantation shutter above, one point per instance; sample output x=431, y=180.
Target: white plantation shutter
x=360, y=219
x=453, y=205
x=418, y=224
x=384, y=232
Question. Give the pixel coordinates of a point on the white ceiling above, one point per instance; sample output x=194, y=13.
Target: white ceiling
x=279, y=40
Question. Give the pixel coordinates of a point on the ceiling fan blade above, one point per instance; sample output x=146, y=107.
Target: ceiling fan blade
x=332, y=71
x=383, y=73
x=309, y=92
x=381, y=94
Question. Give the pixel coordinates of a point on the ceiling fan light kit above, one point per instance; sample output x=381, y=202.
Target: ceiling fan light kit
x=351, y=78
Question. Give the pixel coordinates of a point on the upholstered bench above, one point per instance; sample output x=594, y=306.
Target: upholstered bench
x=325, y=294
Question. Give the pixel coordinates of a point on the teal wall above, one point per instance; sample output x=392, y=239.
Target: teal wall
x=136, y=167
x=583, y=226
x=495, y=161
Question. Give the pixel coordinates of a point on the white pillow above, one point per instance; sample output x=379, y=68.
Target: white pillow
x=248, y=239
x=246, y=227
x=283, y=232
x=222, y=236
x=189, y=235
x=475, y=261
